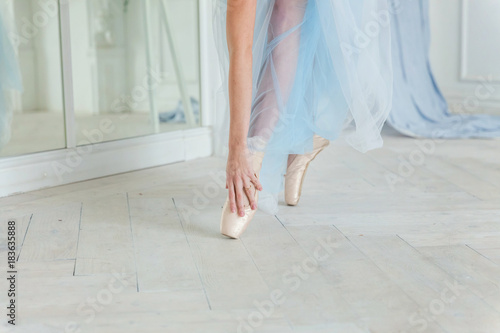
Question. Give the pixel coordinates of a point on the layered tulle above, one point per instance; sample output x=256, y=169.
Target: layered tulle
x=10, y=76
x=319, y=66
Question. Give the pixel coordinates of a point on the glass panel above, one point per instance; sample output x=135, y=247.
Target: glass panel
x=129, y=79
x=31, y=101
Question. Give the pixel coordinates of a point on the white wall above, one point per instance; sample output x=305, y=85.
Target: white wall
x=465, y=53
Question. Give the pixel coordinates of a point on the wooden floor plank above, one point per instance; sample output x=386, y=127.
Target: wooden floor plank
x=492, y=253
x=52, y=234
x=228, y=273
x=382, y=305
x=21, y=225
x=307, y=297
x=164, y=260
x=442, y=298
x=470, y=268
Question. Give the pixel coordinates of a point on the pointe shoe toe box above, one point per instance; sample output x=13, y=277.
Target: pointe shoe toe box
x=231, y=224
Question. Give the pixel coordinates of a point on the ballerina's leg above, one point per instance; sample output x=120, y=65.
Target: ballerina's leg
x=278, y=68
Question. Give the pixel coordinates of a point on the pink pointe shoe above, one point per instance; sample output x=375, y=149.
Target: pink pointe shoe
x=231, y=224
x=297, y=170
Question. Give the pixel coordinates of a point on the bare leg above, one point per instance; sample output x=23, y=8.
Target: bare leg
x=278, y=72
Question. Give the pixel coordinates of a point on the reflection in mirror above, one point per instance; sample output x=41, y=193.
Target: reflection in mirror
x=135, y=71
x=31, y=101
x=135, y=67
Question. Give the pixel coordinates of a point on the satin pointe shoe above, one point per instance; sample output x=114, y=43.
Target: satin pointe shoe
x=231, y=224
x=296, y=171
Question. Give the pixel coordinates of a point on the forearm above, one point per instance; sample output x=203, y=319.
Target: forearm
x=240, y=26
x=240, y=95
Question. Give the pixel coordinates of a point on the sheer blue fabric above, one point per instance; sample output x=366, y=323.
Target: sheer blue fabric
x=419, y=108
x=10, y=78
x=319, y=66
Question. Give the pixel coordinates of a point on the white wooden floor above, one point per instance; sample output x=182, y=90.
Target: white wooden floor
x=376, y=245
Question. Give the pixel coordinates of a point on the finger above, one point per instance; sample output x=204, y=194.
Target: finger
x=240, y=197
x=231, y=196
x=256, y=182
x=250, y=193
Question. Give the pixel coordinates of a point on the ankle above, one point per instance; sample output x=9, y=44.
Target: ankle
x=291, y=158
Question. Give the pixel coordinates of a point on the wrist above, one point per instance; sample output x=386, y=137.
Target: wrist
x=237, y=145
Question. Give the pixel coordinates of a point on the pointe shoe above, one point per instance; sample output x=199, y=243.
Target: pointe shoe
x=231, y=224
x=296, y=171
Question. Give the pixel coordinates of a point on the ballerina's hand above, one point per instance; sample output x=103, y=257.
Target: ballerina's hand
x=240, y=177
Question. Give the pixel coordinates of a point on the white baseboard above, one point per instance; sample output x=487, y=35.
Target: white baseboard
x=31, y=172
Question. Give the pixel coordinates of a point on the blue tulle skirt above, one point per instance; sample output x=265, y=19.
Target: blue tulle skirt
x=319, y=67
